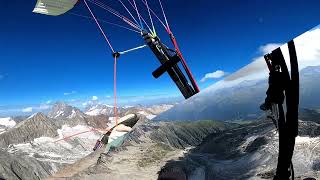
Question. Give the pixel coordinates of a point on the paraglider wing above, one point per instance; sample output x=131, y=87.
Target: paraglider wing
x=54, y=7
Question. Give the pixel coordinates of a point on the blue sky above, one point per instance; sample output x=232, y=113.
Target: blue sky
x=46, y=59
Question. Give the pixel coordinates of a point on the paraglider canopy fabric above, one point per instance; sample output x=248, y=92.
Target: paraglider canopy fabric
x=54, y=7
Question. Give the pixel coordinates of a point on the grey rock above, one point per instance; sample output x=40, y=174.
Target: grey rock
x=20, y=167
x=34, y=127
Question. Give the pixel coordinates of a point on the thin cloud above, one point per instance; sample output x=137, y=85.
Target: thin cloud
x=308, y=52
x=27, y=110
x=269, y=48
x=44, y=107
x=214, y=75
x=94, y=98
x=69, y=93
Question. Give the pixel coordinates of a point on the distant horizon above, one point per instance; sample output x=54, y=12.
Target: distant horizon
x=47, y=107
x=82, y=105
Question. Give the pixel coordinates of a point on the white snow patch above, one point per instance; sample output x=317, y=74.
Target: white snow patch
x=112, y=121
x=67, y=131
x=68, y=151
x=302, y=140
x=2, y=131
x=32, y=116
x=93, y=112
x=148, y=115
x=99, y=110
x=59, y=113
x=73, y=114
x=7, y=122
x=247, y=142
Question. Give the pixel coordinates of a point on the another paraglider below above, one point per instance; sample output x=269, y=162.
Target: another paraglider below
x=117, y=133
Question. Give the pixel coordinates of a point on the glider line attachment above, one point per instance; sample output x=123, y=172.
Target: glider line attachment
x=115, y=60
x=163, y=54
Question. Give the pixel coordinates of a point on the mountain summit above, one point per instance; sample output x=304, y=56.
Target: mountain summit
x=37, y=125
x=61, y=110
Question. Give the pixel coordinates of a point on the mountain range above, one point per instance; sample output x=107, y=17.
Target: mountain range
x=29, y=148
x=240, y=101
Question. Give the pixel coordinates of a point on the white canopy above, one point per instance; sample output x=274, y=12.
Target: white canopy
x=54, y=7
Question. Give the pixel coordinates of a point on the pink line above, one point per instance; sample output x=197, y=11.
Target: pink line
x=116, y=13
x=115, y=89
x=184, y=63
x=136, y=8
x=156, y=16
x=165, y=17
x=128, y=11
x=141, y=18
x=98, y=24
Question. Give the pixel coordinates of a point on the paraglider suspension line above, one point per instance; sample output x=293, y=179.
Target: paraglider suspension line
x=98, y=24
x=115, y=90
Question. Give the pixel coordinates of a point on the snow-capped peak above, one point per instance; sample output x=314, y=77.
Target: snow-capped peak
x=62, y=111
x=73, y=114
x=33, y=115
x=99, y=109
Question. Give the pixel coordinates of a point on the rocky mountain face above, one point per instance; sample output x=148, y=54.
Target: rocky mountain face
x=42, y=156
x=64, y=113
x=247, y=152
x=192, y=149
x=37, y=125
x=68, y=115
x=148, y=144
x=21, y=167
x=240, y=101
x=309, y=115
x=206, y=150
x=102, y=109
x=30, y=149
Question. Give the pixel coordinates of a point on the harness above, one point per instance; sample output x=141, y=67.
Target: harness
x=283, y=87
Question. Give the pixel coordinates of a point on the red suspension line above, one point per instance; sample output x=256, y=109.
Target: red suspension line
x=115, y=107
x=175, y=43
x=115, y=63
x=184, y=63
x=83, y=132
